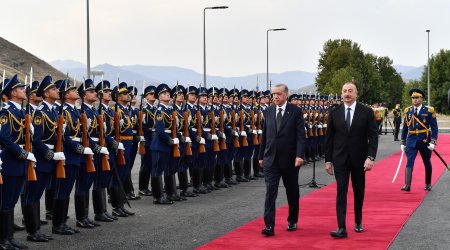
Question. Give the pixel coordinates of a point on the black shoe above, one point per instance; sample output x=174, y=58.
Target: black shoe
x=187, y=193
x=428, y=187
x=291, y=227
x=46, y=236
x=145, y=192
x=49, y=215
x=231, y=181
x=406, y=188
x=260, y=175
x=4, y=244
x=62, y=230
x=396, y=139
x=36, y=237
x=249, y=177
x=241, y=179
x=119, y=213
x=18, y=227
x=359, y=228
x=213, y=187
x=43, y=222
x=102, y=217
x=132, y=196
x=72, y=229
x=129, y=213
x=175, y=197
x=162, y=201
x=83, y=223
x=92, y=222
x=268, y=231
x=339, y=233
x=221, y=185
x=17, y=244
x=110, y=215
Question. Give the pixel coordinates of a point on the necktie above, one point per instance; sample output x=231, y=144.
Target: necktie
x=279, y=118
x=347, y=119
x=415, y=111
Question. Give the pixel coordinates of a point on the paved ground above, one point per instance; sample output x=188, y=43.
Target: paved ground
x=188, y=224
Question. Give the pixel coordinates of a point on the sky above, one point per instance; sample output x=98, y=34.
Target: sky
x=170, y=32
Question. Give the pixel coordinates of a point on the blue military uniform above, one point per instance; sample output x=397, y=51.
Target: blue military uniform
x=161, y=147
x=149, y=130
x=419, y=130
x=14, y=157
x=397, y=112
x=103, y=177
x=231, y=115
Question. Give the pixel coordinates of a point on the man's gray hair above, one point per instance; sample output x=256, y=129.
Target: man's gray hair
x=284, y=86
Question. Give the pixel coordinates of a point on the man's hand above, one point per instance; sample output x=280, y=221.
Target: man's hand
x=368, y=165
x=329, y=168
x=261, y=163
x=298, y=162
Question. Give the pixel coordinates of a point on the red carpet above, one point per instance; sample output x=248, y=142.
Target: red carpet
x=386, y=210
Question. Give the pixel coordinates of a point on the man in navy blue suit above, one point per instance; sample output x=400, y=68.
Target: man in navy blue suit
x=281, y=155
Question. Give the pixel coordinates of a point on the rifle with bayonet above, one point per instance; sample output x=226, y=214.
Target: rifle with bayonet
x=242, y=126
x=176, y=149
x=186, y=129
x=258, y=120
x=120, y=153
x=60, y=169
x=31, y=173
x=215, y=143
x=84, y=130
x=223, y=142
x=252, y=122
x=201, y=147
x=140, y=131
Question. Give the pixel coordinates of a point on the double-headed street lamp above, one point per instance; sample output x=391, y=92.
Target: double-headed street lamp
x=204, y=38
x=267, y=72
x=428, y=68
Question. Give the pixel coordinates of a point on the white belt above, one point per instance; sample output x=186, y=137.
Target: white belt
x=78, y=139
x=135, y=131
x=168, y=131
x=248, y=126
x=153, y=130
x=50, y=146
x=207, y=129
x=94, y=139
x=21, y=146
x=194, y=129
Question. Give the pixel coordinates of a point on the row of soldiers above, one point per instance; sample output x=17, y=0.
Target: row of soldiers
x=207, y=134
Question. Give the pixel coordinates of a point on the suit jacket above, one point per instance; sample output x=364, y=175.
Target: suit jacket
x=358, y=143
x=286, y=144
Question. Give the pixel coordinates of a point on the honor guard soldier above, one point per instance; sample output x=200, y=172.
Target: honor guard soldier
x=103, y=177
x=122, y=97
x=419, y=134
x=257, y=131
x=162, y=144
x=244, y=154
x=397, y=112
x=184, y=116
x=44, y=138
x=134, y=113
x=73, y=150
x=85, y=178
x=149, y=131
x=212, y=146
x=231, y=121
x=34, y=99
x=14, y=157
x=225, y=136
x=201, y=118
x=176, y=112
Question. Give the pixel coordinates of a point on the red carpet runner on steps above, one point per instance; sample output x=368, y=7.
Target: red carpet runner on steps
x=386, y=210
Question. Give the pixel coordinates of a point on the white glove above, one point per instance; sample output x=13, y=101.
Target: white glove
x=255, y=132
x=243, y=133
x=236, y=133
x=59, y=156
x=31, y=157
x=132, y=119
x=216, y=118
x=202, y=141
x=104, y=151
x=89, y=123
x=104, y=126
x=175, y=141
x=431, y=146
x=310, y=126
x=403, y=148
x=121, y=122
x=32, y=129
x=188, y=139
x=64, y=127
x=325, y=125
x=214, y=137
x=88, y=151
x=141, y=138
x=259, y=132
x=143, y=119
x=319, y=126
x=224, y=136
x=121, y=147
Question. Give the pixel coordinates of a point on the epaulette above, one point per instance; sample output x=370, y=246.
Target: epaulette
x=407, y=109
x=430, y=109
x=113, y=108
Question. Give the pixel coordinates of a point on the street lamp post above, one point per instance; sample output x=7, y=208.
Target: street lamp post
x=267, y=72
x=88, y=71
x=204, y=38
x=428, y=68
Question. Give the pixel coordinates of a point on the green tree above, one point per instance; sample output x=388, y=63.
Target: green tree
x=406, y=98
x=439, y=80
x=392, y=88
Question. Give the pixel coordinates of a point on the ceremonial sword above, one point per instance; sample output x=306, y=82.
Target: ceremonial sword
x=443, y=161
x=398, y=167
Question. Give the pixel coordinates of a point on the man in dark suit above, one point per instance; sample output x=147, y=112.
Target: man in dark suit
x=281, y=155
x=351, y=148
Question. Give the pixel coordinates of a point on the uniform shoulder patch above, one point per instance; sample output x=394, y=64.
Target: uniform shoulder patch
x=430, y=109
x=37, y=120
x=159, y=117
x=3, y=119
x=406, y=110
